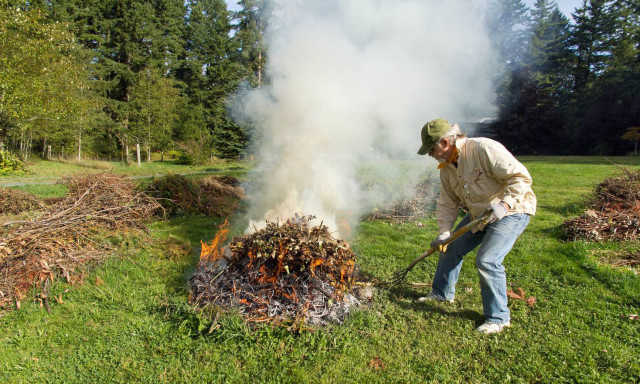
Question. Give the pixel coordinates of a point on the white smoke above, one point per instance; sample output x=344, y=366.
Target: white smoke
x=354, y=81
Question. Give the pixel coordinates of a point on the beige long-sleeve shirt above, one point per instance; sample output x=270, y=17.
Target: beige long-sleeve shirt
x=487, y=173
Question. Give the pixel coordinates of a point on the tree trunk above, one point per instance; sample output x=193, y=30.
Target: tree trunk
x=259, y=68
x=79, y=144
x=138, y=153
x=44, y=147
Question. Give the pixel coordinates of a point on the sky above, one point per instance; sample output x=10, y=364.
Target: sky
x=566, y=6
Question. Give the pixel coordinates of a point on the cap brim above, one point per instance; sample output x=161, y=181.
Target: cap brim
x=423, y=150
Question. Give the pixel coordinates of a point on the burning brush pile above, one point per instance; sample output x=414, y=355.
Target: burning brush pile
x=614, y=212
x=35, y=252
x=284, y=272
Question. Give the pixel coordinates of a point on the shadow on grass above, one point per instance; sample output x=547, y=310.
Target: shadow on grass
x=397, y=294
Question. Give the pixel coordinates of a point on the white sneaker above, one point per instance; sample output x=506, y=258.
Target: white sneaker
x=488, y=328
x=433, y=297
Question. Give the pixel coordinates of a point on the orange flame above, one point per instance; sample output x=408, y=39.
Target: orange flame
x=343, y=224
x=214, y=250
x=314, y=264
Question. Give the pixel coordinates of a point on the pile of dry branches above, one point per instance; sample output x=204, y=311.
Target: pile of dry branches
x=213, y=195
x=290, y=271
x=419, y=204
x=13, y=201
x=36, y=252
x=614, y=212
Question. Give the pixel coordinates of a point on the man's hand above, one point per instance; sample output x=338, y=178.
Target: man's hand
x=438, y=243
x=498, y=211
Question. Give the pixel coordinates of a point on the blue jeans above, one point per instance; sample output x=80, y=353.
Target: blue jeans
x=495, y=241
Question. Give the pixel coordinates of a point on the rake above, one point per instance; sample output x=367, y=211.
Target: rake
x=400, y=276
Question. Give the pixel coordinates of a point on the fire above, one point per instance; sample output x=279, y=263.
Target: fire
x=343, y=224
x=214, y=250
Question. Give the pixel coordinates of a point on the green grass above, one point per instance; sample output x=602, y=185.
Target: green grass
x=39, y=169
x=138, y=327
x=43, y=176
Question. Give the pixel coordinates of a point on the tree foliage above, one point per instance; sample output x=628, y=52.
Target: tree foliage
x=578, y=88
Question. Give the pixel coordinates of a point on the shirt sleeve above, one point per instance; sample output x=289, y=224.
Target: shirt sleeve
x=447, y=206
x=501, y=165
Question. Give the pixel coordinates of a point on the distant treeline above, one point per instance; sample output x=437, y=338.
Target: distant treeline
x=100, y=77
x=568, y=88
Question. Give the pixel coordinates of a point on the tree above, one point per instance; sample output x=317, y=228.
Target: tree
x=42, y=76
x=531, y=118
x=211, y=74
x=253, y=20
x=154, y=104
x=633, y=134
x=590, y=40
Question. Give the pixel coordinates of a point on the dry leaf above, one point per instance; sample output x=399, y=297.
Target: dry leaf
x=99, y=281
x=376, y=363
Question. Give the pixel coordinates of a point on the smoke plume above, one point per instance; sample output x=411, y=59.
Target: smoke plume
x=352, y=83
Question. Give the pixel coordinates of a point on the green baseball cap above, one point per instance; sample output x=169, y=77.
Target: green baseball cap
x=432, y=132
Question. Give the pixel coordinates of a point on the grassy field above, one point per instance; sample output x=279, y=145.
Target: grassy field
x=129, y=321
x=42, y=176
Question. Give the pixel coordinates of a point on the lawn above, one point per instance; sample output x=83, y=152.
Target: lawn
x=42, y=176
x=129, y=321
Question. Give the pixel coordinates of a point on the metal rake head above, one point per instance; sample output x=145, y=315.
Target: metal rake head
x=397, y=278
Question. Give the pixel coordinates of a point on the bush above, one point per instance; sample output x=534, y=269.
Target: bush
x=10, y=164
x=185, y=159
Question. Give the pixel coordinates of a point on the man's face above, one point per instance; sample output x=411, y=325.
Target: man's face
x=439, y=149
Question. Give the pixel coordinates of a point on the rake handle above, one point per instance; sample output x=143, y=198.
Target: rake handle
x=454, y=235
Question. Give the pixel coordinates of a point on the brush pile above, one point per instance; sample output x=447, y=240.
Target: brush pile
x=614, y=212
x=34, y=253
x=284, y=272
x=212, y=196
x=13, y=201
x=419, y=204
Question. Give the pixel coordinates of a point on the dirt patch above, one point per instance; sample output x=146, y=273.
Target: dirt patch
x=619, y=258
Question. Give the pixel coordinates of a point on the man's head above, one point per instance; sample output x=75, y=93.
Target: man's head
x=431, y=133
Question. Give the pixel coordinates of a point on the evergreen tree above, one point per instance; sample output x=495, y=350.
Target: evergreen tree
x=210, y=75
x=610, y=102
x=590, y=38
x=531, y=119
x=253, y=20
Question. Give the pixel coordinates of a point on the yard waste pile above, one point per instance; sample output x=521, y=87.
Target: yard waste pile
x=614, y=212
x=289, y=271
x=418, y=204
x=212, y=196
x=13, y=201
x=34, y=253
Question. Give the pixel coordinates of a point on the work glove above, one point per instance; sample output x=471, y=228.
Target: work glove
x=438, y=243
x=497, y=212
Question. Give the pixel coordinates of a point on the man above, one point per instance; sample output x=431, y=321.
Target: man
x=479, y=175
